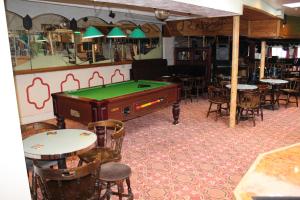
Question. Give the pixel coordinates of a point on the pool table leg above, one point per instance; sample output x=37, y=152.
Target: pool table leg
x=176, y=112
x=60, y=122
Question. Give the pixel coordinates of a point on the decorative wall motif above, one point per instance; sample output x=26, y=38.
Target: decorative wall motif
x=94, y=77
x=115, y=74
x=34, y=90
x=37, y=100
x=72, y=78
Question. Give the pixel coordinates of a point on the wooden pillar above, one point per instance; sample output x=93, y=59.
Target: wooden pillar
x=93, y=53
x=234, y=69
x=51, y=44
x=262, y=60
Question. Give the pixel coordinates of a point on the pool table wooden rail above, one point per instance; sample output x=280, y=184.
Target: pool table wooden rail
x=122, y=108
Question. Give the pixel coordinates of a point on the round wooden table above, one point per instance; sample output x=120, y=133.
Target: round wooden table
x=243, y=87
x=59, y=144
x=274, y=83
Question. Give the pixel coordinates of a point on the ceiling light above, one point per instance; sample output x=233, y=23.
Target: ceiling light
x=137, y=33
x=116, y=32
x=292, y=5
x=92, y=32
x=162, y=15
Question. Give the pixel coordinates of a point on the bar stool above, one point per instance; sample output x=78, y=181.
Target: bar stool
x=115, y=173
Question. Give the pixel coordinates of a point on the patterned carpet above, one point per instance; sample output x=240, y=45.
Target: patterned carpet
x=199, y=158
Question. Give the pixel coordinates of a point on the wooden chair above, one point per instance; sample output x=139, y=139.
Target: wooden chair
x=27, y=131
x=114, y=133
x=112, y=173
x=249, y=101
x=187, y=87
x=292, y=89
x=199, y=85
x=78, y=183
x=265, y=97
x=218, y=97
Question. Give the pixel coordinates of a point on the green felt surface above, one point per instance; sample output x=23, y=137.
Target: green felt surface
x=116, y=89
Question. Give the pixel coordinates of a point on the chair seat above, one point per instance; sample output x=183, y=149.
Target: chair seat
x=41, y=163
x=289, y=91
x=113, y=171
x=107, y=155
x=218, y=100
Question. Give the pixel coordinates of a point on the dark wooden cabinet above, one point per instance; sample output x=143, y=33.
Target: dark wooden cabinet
x=200, y=56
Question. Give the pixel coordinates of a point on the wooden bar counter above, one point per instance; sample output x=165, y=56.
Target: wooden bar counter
x=273, y=174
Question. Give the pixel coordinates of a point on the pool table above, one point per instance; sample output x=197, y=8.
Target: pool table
x=122, y=101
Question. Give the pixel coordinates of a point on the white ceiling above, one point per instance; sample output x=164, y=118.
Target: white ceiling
x=199, y=10
x=288, y=11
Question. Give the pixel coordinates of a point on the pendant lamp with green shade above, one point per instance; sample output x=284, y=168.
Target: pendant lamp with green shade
x=116, y=32
x=137, y=33
x=92, y=32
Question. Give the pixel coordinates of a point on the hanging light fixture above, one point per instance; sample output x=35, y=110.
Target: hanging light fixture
x=116, y=32
x=162, y=15
x=92, y=32
x=137, y=33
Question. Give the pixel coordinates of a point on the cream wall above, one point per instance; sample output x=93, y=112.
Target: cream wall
x=168, y=49
x=14, y=181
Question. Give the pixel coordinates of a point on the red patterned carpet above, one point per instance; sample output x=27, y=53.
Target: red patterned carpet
x=200, y=158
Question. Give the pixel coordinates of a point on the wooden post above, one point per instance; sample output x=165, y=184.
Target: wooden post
x=234, y=69
x=93, y=53
x=262, y=60
x=51, y=44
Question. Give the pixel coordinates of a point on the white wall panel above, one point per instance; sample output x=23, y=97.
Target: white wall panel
x=32, y=89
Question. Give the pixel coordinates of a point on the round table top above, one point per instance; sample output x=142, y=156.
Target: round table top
x=274, y=81
x=243, y=86
x=51, y=145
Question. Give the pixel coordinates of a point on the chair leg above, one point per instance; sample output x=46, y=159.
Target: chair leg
x=120, y=189
x=278, y=95
x=287, y=100
x=239, y=115
x=34, y=186
x=130, y=195
x=218, y=111
x=253, y=117
x=261, y=114
x=108, y=191
x=209, y=109
x=80, y=162
x=228, y=109
x=296, y=99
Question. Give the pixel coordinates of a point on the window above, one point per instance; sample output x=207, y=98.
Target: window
x=278, y=51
